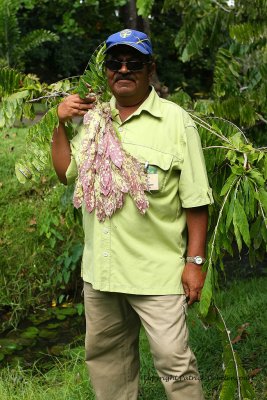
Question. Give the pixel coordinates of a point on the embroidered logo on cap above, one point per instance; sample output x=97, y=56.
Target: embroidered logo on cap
x=124, y=34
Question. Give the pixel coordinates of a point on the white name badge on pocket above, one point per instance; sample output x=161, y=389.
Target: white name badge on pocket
x=153, y=178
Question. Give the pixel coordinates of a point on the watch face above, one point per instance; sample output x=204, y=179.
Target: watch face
x=198, y=260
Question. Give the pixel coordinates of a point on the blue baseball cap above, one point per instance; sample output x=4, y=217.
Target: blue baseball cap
x=129, y=37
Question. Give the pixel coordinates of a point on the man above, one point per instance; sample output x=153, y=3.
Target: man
x=134, y=267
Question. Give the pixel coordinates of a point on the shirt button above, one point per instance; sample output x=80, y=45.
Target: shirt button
x=120, y=129
x=106, y=230
x=105, y=254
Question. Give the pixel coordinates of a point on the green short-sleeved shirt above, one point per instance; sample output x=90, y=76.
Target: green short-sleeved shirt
x=144, y=254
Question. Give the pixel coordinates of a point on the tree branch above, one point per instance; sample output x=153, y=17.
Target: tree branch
x=49, y=96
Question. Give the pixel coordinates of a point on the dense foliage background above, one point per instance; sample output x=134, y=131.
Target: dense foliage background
x=214, y=51
x=211, y=58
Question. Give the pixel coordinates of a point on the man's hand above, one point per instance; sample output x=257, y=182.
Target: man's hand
x=74, y=106
x=71, y=106
x=193, y=281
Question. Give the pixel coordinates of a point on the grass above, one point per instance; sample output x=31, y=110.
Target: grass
x=67, y=380
x=243, y=303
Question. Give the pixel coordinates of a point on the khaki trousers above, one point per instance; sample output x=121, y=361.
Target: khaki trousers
x=113, y=323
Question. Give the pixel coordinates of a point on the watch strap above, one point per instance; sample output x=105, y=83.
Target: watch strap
x=198, y=260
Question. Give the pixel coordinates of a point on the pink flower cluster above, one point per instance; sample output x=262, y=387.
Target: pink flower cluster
x=106, y=171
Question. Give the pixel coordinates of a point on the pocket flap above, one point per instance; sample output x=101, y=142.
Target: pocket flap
x=150, y=156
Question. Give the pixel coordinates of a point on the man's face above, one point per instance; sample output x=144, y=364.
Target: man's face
x=128, y=85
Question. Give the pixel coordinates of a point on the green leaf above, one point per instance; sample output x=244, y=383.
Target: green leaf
x=255, y=227
x=256, y=176
x=35, y=38
x=229, y=385
x=144, y=7
x=60, y=300
x=230, y=212
x=263, y=199
x=265, y=167
x=237, y=233
x=66, y=276
x=257, y=241
x=38, y=142
x=9, y=81
x=235, y=381
x=213, y=318
x=247, y=32
x=247, y=198
x=206, y=293
x=76, y=252
x=30, y=333
x=246, y=388
x=80, y=308
x=229, y=182
x=94, y=75
x=237, y=169
x=185, y=56
x=67, y=262
x=264, y=230
x=251, y=199
x=22, y=172
x=18, y=95
x=237, y=140
x=240, y=219
x=198, y=37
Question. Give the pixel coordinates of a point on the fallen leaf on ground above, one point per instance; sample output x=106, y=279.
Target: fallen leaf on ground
x=32, y=221
x=254, y=372
x=242, y=333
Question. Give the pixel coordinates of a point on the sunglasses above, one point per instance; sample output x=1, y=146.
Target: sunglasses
x=116, y=65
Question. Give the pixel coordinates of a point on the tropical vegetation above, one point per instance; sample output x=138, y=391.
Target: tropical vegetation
x=215, y=53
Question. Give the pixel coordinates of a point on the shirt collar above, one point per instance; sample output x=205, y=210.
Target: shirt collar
x=152, y=105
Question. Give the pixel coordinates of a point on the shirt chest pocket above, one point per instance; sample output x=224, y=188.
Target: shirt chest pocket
x=157, y=165
x=158, y=169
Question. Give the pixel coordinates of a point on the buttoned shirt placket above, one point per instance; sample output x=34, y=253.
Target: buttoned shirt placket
x=106, y=270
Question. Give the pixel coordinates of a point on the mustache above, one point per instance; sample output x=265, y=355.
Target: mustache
x=123, y=76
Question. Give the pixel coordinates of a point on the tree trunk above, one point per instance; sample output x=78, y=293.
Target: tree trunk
x=129, y=15
x=130, y=18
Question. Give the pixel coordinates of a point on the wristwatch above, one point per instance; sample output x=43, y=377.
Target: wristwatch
x=196, y=260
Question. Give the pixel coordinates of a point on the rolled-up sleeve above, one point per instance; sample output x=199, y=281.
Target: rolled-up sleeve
x=72, y=171
x=194, y=189
x=75, y=145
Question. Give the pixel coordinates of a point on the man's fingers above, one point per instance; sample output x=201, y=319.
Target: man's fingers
x=73, y=106
x=90, y=98
x=85, y=107
x=186, y=290
x=193, y=296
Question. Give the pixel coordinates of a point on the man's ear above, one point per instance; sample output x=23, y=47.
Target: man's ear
x=151, y=69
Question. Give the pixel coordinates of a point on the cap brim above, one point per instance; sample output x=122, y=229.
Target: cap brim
x=140, y=49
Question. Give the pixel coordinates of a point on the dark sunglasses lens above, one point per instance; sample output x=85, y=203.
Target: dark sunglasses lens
x=115, y=65
x=135, y=65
